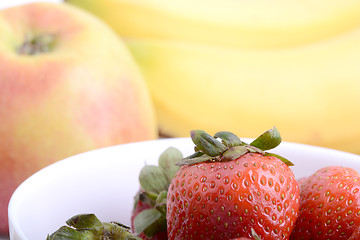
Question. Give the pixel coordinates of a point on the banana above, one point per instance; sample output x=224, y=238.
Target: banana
x=310, y=93
x=244, y=65
x=242, y=24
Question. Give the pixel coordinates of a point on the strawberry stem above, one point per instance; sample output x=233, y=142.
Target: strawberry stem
x=208, y=148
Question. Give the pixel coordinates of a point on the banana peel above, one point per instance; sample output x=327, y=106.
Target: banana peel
x=242, y=24
x=310, y=93
x=245, y=65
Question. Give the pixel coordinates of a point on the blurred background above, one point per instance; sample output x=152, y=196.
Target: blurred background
x=115, y=71
x=8, y=3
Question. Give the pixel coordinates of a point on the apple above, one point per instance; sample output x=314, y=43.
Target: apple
x=67, y=85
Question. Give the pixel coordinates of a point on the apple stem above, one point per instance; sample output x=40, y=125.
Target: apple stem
x=37, y=44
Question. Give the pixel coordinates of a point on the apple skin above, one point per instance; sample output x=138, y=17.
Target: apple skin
x=85, y=93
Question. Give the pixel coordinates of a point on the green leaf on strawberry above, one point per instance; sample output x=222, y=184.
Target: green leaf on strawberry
x=207, y=148
x=149, y=221
x=88, y=226
x=268, y=140
x=153, y=179
x=149, y=213
x=168, y=160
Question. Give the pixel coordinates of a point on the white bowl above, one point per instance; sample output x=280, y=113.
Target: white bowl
x=104, y=182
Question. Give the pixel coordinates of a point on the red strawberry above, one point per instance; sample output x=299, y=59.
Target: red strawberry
x=227, y=188
x=148, y=218
x=329, y=205
x=255, y=236
x=355, y=235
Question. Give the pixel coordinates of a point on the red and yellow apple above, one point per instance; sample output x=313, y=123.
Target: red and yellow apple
x=67, y=85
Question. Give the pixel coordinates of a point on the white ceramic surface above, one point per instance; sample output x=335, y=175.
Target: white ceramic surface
x=104, y=182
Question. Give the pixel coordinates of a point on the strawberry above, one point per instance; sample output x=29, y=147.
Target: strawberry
x=141, y=205
x=255, y=236
x=148, y=218
x=329, y=205
x=228, y=187
x=356, y=234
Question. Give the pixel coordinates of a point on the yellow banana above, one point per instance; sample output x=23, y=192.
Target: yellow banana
x=243, y=24
x=247, y=65
x=310, y=93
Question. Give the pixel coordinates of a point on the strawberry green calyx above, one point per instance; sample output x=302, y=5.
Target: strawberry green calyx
x=268, y=140
x=208, y=148
x=88, y=226
x=154, y=182
x=154, y=179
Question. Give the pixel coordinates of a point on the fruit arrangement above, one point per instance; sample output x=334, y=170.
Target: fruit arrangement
x=69, y=84
x=230, y=189
x=286, y=63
